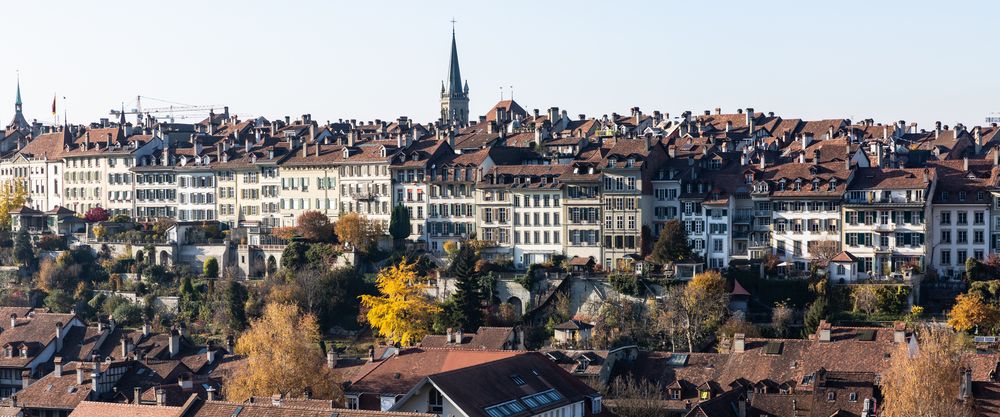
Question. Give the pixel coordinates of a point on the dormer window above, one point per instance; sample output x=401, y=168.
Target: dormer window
x=831, y=396
x=852, y=397
x=815, y=184
x=675, y=393
x=347, y=153
x=961, y=196
x=630, y=162
x=382, y=152
x=748, y=178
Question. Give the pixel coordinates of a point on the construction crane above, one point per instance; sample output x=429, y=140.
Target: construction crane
x=169, y=111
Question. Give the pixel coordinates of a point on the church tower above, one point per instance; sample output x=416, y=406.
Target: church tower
x=454, y=95
x=19, y=122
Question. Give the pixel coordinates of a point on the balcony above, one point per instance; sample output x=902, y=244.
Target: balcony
x=887, y=227
x=363, y=195
x=742, y=219
x=762, y=213
x=882, y=249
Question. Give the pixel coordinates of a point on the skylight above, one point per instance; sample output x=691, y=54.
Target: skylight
x=773, y=348
x=506, y=409
x=677, y=359
x=517, y=379
x=542, y=398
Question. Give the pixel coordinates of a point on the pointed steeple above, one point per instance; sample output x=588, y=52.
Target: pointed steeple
x=454, y=83
x=19, y=122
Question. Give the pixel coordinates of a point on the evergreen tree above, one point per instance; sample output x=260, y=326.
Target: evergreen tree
x=22, y=248
x=467, y=297
x=234, y=300
x=399, y=223
x=817, y=312
x=672, y=246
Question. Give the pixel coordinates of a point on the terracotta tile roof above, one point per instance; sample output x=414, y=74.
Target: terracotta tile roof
x=229, y=409
x=58, y=392
x=398, y=373
x=92, y=409
x=844, y=256
x=954, y=177
x=890, y=178
x=36, y=332
x=486, y=338
x=509, y=106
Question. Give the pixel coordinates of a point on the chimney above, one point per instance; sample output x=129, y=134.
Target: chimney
x=175, y=343
x=13, y=320
x=816, y=156
x=739, y=343
x=210, y=393
x=450, y=335
x=371, y=353
x=824, y=331
x=331, y=358
x=317, y=148
x=126, y=346
x=965, y=163
x=899, y=332
x=79, y=373
x=996, y=157
x=86, y=140
x=57, y=362
x=161, y=397
x=276, y=400
x=145, y=329
x=305, y=149
x=59, y=336
x=802, y=157
x=210, y=353
x=553, y=114
x=137, y=395
x=749, y=118
x=829, y=133
x=718, y=110
x=459, y=335
x=977, y=135
x=729, y=125
x=26, y=379
x=95, y=384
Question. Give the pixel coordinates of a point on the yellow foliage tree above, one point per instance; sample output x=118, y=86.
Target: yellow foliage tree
x=971, y=310
x=402, y=312
x=13, y=194
x=282, y=357
x=358, y=230
x=925, y=382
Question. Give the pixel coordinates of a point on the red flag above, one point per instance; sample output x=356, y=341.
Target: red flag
x=53, y=104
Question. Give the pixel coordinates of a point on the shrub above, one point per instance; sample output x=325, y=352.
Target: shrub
x=127, y=314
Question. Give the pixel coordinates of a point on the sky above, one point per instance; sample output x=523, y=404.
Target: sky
x=919, y=61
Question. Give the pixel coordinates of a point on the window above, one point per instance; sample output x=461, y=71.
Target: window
x=352, y=402
x=831, y=396
x=435, y=402
x=853, y=397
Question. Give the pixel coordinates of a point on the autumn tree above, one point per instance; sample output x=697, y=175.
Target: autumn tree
x=399, y=223
x=402, y=311
x=96, y=215
x=283, y=356
x=925, y=382
x=672, y=246
x=358, y=230
x=971, y=311
x=13, y=195
x=694, y=310
x=621, y=320
x=314, y=226
x=865, y=298
x=637, y=398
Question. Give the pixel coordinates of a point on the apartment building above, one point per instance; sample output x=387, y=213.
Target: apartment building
x=39, y=164
x=365, y=181
x=582, y=206
x=410, y=169
x=451, y=214
x=885, y=212
x=960, y=215
x=805, y=203
x=309, y=181
x=626, y=195
x=536, y=194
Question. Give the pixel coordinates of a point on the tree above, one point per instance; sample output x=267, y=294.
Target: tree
x=294, y=255
x=468, y=297
x=13, y=195
x=816, y=313
x=401, y=312
x=314, y=226
x=399, y=223
x=357, y=230
x=865, y=298
x=22, y=248
x=59, y=301
x=324, y=254
x=234, y=298
x=971, y=311
x=96, y=215
x=823, y=251
x=637, y=398
x=972, y=269
x=925, y=382
x=781, y=318
x=620, y=321
x=283, y=356
x=698, y=307
x=211, y=267
x=672, y=246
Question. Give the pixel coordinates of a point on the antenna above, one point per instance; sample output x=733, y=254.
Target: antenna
x=453, y=21
x=501, y=93
x=511, y=93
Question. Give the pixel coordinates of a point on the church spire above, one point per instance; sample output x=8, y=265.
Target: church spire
x=19, y=122
x=454, y=94
x=454, y=84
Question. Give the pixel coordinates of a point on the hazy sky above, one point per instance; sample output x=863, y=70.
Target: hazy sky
x=914, y=60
